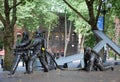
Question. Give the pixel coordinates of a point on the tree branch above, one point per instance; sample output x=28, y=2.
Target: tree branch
x=14, y=18
x=14, y=5
x=86, y=1
x=98, y=13
x=92, y=20
x=78, y=13
x=7, y=11
x=91, y=10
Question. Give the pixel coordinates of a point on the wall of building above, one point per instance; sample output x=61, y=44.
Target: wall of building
x=57, y=39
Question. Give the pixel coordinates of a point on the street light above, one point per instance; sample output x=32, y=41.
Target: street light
x=101, y=21
x=103, y=10
x=106, y=7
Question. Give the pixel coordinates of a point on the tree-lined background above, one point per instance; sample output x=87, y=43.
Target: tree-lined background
x=32, y=14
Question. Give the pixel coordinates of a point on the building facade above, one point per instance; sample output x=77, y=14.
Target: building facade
x=57, y=38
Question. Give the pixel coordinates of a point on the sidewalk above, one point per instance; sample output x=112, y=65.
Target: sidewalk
x=19, y=68
x=0, y=69
x=64, y=76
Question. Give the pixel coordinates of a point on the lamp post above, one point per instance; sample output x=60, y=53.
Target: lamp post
x=106, y=7
x=101, y=23
x=103, y=10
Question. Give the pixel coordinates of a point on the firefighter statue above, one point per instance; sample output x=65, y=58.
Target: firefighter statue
x=20, y=53
x=37, y=44
x=93, y=61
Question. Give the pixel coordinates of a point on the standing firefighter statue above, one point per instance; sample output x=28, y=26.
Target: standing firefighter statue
x=20, y=53
x=36, y=44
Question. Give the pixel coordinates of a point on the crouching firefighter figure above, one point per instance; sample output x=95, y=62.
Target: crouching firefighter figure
x=20, y=53
x=93, y=61
x=36, y=44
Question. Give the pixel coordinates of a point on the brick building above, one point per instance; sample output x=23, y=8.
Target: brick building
x=17, y=32
x=57, y=38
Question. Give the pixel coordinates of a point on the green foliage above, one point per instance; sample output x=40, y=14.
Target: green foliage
x=1, y=6
x=82, y=27
x=51, y=20
x=115, y=7
x=36, y=13
x=80, y=5
x=111, y=53
x=90, y=40
x=110, y=16
x=25, y=15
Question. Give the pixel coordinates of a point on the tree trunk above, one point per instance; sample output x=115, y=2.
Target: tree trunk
x=48, y=44
x=80, y=43
x=9, y=31
x=117, y=33
x=67, y=36
x=8, y=44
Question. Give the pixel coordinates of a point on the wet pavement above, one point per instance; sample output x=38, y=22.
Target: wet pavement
x=63, y=76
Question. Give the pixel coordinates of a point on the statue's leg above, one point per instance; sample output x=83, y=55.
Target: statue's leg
x=50, y=60
x=103, y=67
x=1, y=63
x=26, y=60
x=44, y=63
x=30, y=63
x=109, y=67
x=46, y=59
x=100, y=66
x=91, y=63
x=85, y=64
x=15, y=63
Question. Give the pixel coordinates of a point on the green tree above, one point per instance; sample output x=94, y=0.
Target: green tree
x=82, y=27
x=92, y=17
x=34, y=14
x=31, y=14
x=8, y=19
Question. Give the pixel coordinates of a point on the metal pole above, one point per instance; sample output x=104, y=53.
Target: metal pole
x=104, y=12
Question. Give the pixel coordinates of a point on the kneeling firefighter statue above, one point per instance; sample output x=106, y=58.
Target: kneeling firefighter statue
x=93, y=61
x=36, y=44
x=19, y=53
